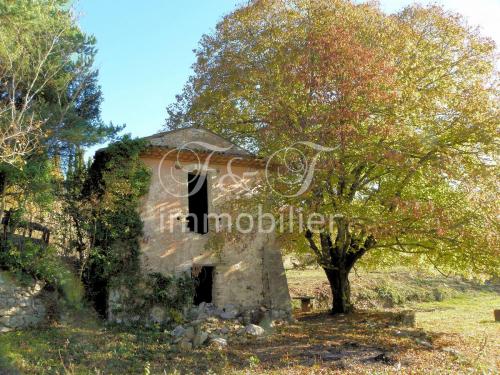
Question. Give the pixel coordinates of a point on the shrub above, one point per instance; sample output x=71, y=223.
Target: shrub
x=43, y=263
x=390, y=295
x=173, y=292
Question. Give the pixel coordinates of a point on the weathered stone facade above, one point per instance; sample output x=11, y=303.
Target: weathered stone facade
x=20, y=306
x=247, y=273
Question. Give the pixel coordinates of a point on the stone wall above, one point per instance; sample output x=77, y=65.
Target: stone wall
x=248, y=273
x=20, y=305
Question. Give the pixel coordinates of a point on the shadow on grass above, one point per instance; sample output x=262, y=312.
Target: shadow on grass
x=370, y=340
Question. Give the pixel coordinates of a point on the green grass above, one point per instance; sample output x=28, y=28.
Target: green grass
x=470, y=316
x=80, y=348
x=468, y=321
x=384, y=289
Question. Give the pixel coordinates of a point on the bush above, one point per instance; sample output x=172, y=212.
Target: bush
x=173, y=292
x=391, y=295
x=44, y=264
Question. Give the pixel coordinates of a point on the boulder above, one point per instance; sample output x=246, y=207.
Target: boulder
x=185, y=346
x=178, y=331
x=189, y=333
x=254, y=330
x=219, y=342
x=229, y=312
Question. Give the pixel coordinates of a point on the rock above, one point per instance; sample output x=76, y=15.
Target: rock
x=202, y=306
x=202, y=317
x=157, y=315
x=453, y=352
x=192, y=313
x=189, y=333
x=427, y=344
x=229, y=312
x=178, y=331
x=219, y=342
x=224, y=330
x=254, y=330
x=185, y=346
x=200, y=338
x=20, y=305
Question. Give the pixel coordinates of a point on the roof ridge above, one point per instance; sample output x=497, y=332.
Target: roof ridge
x=164, y=133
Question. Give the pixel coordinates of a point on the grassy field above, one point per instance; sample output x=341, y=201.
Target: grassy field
x=385, y=289
x=455, y=335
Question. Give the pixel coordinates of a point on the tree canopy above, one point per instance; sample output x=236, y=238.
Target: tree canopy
x=49, y=96
x=408, y=105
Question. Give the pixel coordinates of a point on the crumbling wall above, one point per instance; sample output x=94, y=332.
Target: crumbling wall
x=248, y=273
x=167, y=246
x=20, y=305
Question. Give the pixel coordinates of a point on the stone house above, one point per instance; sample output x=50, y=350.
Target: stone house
x=194, y=175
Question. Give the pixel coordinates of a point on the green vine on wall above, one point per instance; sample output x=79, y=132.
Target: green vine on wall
x=117, y=179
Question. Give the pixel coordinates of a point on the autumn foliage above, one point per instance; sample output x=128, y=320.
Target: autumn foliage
x=408, y=104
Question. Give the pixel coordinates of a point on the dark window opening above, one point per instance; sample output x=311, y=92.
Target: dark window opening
x=203, y=283
x=198, y=203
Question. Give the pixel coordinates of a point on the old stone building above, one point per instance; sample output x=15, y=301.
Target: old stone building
x=195, y=176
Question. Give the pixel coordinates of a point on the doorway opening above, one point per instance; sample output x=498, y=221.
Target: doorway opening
x=197, y=203
x=203, y=282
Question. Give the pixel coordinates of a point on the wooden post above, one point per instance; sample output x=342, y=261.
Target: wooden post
x=3, y=186
x=305, y=303
x=497, y=315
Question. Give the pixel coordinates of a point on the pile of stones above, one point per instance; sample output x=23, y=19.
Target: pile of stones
x=209, y=325
x=231, y=312
x=213, y=332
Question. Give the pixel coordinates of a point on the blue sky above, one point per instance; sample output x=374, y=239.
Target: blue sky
x=146, y=49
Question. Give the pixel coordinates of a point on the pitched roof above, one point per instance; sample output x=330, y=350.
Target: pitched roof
x=196, y=139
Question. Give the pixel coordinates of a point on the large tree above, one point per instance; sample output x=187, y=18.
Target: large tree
x=408, y=105
x=49, y=96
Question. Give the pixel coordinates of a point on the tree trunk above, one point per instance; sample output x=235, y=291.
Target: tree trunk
x=341, y=290
x=337, y=259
